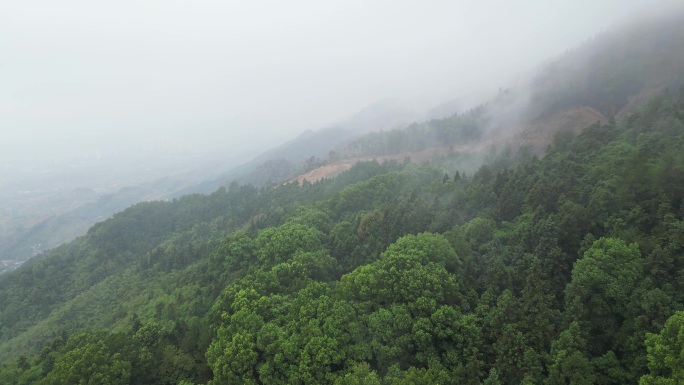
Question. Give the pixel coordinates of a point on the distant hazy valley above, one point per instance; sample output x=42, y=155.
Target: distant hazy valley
x=48, y=202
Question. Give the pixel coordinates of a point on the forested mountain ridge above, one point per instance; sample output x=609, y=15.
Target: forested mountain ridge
x=289, y=159
x=609, y=76
x=553, y=270
x=556, y=268
x=56, y=229
x=32, y=225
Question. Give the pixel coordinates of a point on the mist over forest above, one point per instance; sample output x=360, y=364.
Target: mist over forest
x=101, y=98
x=342, y=193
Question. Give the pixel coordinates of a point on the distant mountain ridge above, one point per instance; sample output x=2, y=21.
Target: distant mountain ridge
x=539, y=234
x=608, y=77
x=605, y=78
x=282, y=162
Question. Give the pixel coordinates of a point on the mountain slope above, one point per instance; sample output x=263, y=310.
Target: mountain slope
x=608, y=77
x=281, y=163
x=530, y=269
x=345, y=263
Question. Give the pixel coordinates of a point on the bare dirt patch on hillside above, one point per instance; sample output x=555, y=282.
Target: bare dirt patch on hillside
x=535, y=136
x=333, y=169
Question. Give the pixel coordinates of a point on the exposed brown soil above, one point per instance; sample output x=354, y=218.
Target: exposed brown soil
x=334, y=169
x=535, y=136
x=635, y=102
x=327, y=171
x=539, y=134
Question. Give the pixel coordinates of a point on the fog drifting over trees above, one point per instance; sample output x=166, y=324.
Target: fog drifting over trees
x=130, y=77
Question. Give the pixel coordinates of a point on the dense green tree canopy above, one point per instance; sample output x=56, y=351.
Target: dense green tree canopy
x=561, y=270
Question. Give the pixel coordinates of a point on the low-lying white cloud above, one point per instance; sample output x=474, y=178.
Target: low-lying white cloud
x=197, y=76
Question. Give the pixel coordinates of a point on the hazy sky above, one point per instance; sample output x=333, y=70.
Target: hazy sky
x=82, y=75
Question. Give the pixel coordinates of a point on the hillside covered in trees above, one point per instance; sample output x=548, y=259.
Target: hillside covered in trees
x=556, y=269
x=566, y=268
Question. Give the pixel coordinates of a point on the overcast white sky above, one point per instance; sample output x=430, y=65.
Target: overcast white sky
x=84, y=74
